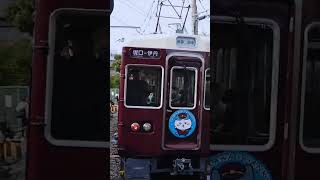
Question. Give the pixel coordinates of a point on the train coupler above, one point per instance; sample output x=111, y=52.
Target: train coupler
x=182, y=167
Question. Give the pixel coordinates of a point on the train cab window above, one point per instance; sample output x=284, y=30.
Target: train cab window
x=244, y=91
x=310, y=101
x=77, y=93
x=183, y=87
x=143, y=86
x=207, y=90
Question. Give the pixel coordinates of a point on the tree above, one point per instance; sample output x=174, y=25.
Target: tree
x=20, y=15
x=115, y=81
x=15, y=64
x=117, y=63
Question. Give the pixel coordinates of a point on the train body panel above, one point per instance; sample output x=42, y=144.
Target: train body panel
x=45, y=160
x=306, y=144
x=272, y=157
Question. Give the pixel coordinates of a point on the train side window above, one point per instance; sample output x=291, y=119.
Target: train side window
x=77, y=90
x=207, y=90
x=244, y=90
x=183, y=87
x=310, y=98
x=143, y=86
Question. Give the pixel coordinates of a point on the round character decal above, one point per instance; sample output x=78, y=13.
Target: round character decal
x=182, y=123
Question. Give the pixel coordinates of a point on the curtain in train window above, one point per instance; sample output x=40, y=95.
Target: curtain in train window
x=207, y=90
x=143, y=86
x=242, y=84
x=183, y=87
x=310, y=117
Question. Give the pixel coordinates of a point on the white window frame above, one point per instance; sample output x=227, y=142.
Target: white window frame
x=195, y=90
x=205, y=87
x=49, y=80
x=303, y=88
x=274, y=86
x=125, y=86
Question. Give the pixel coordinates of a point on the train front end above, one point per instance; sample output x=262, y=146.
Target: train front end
x=164, y=106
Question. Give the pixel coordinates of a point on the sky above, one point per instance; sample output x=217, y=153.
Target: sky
x=142, y=14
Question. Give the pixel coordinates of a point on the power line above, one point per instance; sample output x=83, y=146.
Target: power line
x=132, y=7
x=174, y=8
x=158, y=20
x=120, y=20
x=149, y=15
x=128, y=1
x=127, y=6
x=203, y=12
x=154, y=9
x=131, y=27
x=202, y=5
x=183, y=1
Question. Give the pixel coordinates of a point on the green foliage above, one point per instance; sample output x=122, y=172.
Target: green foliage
x=20, y=15
x=115, y=81
x=15, y=63
x=117, y=63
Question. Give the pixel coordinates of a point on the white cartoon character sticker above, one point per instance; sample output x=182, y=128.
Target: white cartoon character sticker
x=182, y=123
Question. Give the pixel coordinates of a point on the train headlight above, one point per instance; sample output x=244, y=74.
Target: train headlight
x=135, y=127
x=146, y=126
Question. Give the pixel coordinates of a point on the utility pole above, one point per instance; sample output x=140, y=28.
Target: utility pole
x=194, y=17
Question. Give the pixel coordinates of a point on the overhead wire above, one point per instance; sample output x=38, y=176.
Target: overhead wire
x=206, y=14
x=149, y=20
x=202, y=5
x=148, y=17
x=120, y=20
x=138, y=10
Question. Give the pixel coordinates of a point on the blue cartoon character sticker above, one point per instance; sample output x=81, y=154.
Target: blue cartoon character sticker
x=182, y=123
x=238, y=165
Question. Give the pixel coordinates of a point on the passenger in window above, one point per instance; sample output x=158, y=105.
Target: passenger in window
x=150, y=98
x=137, y=90
x=178, y=97
x=175, y=95
x=67, y=51
x=182, y=97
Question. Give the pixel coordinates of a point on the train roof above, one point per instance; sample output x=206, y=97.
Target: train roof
x=165, y=41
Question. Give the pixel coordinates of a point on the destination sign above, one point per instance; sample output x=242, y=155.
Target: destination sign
x=145, y=53
x=186, y=42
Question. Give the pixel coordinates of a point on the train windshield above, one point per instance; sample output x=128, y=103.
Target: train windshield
x=183, y=86
x=243, y=81
x=143, y=86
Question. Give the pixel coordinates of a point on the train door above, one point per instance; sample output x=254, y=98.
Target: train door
x=248, y=82
x=183, y=106
x=68, y=133
x=307, y=147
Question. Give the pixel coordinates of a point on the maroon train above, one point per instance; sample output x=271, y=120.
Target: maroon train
x=155, y=76
x=68, y=139
x=264, y=96
x=263, y=92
